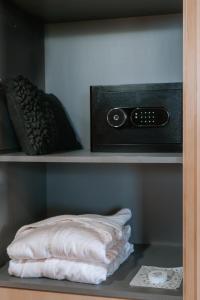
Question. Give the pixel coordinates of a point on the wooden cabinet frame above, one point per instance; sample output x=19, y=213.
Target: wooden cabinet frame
x=191, y=149
x=191, y=166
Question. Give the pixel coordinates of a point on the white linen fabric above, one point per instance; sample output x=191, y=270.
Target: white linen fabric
x=92, y=238
x=62, y=269
x=85, y=242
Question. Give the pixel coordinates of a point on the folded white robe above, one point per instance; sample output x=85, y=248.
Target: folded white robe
x=89, y=238
x=63, y=269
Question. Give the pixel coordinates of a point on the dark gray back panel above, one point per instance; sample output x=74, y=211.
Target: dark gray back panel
x=154, y=194
x=22, y=199
x=110, y=52
x=21, y=45
x=22, y=187
x=162, y=204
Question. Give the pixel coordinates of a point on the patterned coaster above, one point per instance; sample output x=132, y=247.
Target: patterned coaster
x=174, y=278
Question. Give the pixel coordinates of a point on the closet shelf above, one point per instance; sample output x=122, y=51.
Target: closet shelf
x=118, y=284
x=74, y=10
x=83, y=156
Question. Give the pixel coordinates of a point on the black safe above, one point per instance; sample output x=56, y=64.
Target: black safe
x=136, y=118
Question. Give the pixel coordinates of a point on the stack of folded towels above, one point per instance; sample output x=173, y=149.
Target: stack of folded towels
x=84, y=248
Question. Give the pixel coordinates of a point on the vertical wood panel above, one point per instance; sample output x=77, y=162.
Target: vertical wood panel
x=191, y=149
x=198, y=154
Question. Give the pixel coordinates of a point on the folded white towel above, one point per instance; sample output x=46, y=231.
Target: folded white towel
x=63, y=269
x=89, y=238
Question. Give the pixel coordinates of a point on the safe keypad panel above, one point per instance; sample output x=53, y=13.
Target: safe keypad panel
x=149, y=117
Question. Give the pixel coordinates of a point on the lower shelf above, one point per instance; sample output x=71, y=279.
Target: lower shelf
x=117, y=286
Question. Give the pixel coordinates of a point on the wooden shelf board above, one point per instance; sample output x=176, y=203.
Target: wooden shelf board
x=118, y=284
x=84, y=156
x=75, y=10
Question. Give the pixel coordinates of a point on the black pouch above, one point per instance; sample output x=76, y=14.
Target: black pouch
x=39, y=119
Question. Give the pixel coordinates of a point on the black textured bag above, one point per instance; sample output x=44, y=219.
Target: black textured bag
x=39, y=119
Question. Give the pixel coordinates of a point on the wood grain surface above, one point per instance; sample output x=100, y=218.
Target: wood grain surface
x=14, y=294
x=191, y=149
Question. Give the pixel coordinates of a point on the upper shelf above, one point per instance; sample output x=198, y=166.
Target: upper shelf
x=84, y=156
x=52, y=11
